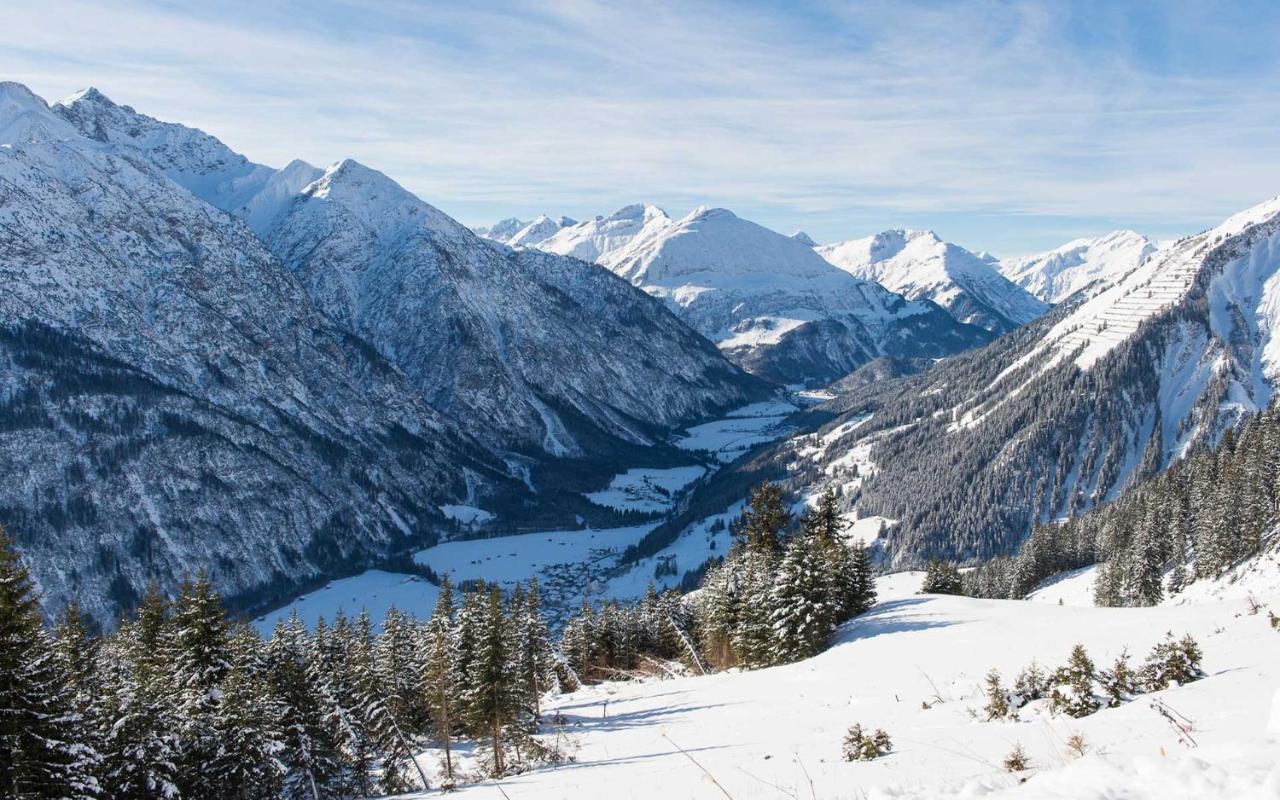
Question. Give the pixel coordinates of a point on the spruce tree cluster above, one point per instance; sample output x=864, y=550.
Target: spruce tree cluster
x=619, y=639
x=1078, y=688
x=181, y=702
x=941, y=577
x=775, y=598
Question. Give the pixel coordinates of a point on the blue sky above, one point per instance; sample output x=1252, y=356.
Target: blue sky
x=1009, y=127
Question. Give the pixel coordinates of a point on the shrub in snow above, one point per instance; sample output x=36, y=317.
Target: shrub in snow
x=1120, y=683
x=862, y=746
x=1032, y=684
x=997, y=698
x=1172, y=663
x=1073, y=686
x=1017, y=760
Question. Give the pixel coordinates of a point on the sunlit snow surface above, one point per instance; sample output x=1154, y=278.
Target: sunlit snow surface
x=741, y=430
x=766, y=734
x=646, y=489
x=374, y=591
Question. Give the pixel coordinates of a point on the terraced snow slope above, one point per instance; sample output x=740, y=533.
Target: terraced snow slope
x=915, y=666
x=919, y=265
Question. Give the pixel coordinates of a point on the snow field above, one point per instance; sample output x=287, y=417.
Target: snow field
x=914, y=666
x=645, y=488
x=374, y=591
x=740, y=430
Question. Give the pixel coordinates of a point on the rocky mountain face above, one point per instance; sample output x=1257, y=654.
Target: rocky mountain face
x=1064, y=413
x=920, y=266
x=282, y=375
x=170, y=399
x=528, y=352
x=1081, y=264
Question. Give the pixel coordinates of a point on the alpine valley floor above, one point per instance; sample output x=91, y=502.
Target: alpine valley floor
x=914, y=666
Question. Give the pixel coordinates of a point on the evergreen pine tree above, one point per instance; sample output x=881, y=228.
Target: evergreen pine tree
x=441, y=678
x=492, y=692
x=39, y=751
x=766, y=518
x=803, y=611
x=309, y=751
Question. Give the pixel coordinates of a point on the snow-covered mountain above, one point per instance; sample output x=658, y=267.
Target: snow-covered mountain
x=1056, y=275
x=502, y=230
x=527, y=350
x=599, y=238
x=538, y=231
x=919, y=265
x=170, y=399
x=773, y=305
x=1062, y=413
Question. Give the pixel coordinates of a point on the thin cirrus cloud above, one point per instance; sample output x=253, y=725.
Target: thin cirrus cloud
x=1008, y=126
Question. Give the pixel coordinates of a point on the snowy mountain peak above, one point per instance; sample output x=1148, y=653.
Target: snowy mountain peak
x=599, y=238
x=541, y=229
x=716, y=243
x=804, y=239
x=1059, y=273
x=381, y=205
x=920, y=265
x=25, y=117
x=15, y=96
x=638, y=211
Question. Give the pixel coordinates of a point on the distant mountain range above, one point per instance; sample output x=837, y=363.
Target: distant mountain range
x=770, y=302
x=1155, y=353
x=281, y=375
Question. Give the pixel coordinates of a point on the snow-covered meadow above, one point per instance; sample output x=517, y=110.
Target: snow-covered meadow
x=914, y=666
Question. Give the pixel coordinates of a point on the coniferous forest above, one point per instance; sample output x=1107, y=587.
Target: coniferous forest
x=1198, y=519
x=182, y=701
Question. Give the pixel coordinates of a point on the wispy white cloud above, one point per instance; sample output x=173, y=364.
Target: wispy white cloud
x=1010, y=123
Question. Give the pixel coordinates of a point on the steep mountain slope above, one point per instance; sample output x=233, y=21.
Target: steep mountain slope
x=919, y=265
x=1056, y=275
x=528, y=351
x=1058, y=415
x=776, y=307
x=169, y=398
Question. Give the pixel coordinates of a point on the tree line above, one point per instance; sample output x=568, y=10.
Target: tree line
x=180, y=701
x=1197, y=519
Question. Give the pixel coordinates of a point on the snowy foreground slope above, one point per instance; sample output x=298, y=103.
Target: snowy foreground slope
x=776, y=732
